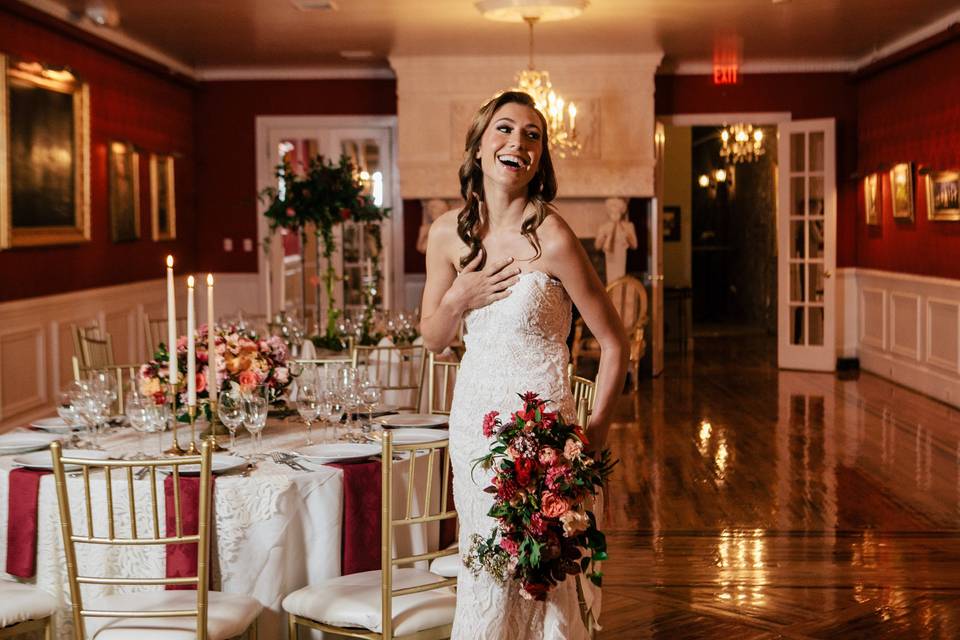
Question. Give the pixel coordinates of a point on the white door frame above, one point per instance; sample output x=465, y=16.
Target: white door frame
x=265, y=178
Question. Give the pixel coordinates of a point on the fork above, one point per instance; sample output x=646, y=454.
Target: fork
x=285, y=458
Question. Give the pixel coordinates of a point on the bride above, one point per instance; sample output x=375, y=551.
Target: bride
x=510, y=268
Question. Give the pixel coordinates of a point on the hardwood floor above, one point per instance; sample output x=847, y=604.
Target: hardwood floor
x=758, y=503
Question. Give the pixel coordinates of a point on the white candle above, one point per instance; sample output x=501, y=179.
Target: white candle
x=171, y=325
x=191, y=347
x=266, y=263
x=211, y=343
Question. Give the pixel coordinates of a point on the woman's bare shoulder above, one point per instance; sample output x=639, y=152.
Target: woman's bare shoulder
x=555, y=235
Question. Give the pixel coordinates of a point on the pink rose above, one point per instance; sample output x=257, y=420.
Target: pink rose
x=489, y=422
x=552, y=505
x=291, y=213
x=509, y=546
x=201, y=381
x=248, y=379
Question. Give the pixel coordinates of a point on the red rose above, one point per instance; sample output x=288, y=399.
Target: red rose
x=524, y=468
x=578, y=431
x=290, y=212
x=534, y=590
x=345, y=213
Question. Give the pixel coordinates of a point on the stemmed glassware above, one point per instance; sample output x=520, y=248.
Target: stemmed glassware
x=371, y=394
x=137, y=408
x=92, y=403
x=230, y=410
x=308, y=405
x=255, y=409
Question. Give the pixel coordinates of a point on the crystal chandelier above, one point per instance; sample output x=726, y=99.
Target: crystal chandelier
x=741, y=143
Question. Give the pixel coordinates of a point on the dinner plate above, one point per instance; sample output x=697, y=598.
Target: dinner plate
x=413, y=420
x=24, y=440
x=219, y=463
x=55, y=425
x=413, y=436
x=337, y=452
x=42, y=459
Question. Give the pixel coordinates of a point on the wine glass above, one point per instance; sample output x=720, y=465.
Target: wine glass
x=136, y=407
x=230, y=410
x=308, y=406
x=371, y=395
x=332, y=410
x=157, y=416
x=255, y=408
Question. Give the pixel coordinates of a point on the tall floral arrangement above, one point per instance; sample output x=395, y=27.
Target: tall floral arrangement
x=544, y=483
x=314, y=200
x=244, y=358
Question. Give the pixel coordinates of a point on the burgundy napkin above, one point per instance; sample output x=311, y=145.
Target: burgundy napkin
x=182, y=558
x=361, y=516
x=24, y=488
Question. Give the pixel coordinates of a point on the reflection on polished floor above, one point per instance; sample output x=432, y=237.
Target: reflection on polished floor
x=759, y=503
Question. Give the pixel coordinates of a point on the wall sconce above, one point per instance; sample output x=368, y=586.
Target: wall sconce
x=714, y=178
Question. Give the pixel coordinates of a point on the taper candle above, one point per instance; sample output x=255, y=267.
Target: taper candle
x=211, y=343
x=171, y=325
x=191, y=347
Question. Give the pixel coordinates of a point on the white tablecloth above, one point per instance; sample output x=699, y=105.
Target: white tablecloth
x=275, y=530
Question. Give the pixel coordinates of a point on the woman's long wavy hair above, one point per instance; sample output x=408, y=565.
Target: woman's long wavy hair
x=540, y=191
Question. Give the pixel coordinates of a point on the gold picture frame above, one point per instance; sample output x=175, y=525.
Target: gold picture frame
x=44, y=155
x=871, y=198
x=943, y=195
x=901, y=191
x=123, y=176
x=163, y=202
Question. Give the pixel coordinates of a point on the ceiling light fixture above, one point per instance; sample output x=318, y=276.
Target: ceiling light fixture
x=741, y=143
x=560, y=114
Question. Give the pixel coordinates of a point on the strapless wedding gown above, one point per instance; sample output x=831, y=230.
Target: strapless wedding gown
x=514, y=345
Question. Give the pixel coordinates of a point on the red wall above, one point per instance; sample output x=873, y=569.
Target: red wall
x=804, y=95
x=911, y=113
x=128, y=102
x=226, y=154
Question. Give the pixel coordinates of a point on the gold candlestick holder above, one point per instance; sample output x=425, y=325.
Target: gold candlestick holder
x=175, y=449
x=192, y=450
x=210, y=433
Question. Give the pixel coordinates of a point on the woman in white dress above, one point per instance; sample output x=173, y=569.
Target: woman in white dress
x=510, y=267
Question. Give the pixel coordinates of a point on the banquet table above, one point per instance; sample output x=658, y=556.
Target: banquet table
x=275, y=529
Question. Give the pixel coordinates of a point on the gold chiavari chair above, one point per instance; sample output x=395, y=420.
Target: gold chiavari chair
x=582, y=389
x=92, y=347
x=399, y=369
x=155, y=332
x=210, y=615
x=441, y=378
x=25, y=609
x=392, y=602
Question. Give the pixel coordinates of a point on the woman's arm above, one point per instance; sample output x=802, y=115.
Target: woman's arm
x=447, y=295
x=567, y=260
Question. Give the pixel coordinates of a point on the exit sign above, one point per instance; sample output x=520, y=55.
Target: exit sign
x=726, y=73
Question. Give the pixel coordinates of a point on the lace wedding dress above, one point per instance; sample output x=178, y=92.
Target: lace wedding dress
x=514, y=345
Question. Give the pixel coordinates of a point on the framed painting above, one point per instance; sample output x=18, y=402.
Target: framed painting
x=871, y=198
x=901, y=191
x=44, y=155
x=124, y=178
x=671, y=223
x=943, y=195
x=163, y=203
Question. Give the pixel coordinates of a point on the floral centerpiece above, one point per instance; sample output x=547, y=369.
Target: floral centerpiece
x=244, y=359
x=314, y=200
x=544, y=484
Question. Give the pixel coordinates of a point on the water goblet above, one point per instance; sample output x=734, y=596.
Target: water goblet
x=371, y=395
x=231, y=413
x=135, y=408
x=308, y=406
x=255, y=408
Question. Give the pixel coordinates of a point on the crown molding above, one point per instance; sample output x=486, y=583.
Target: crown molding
x=210, y=74
x=115, y=37
x=704, y=67
x=917, y=36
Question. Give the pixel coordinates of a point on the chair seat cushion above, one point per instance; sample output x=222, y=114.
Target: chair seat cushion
x=446, y=566
x=22, y=602
x=354, y=601
x=228, y=616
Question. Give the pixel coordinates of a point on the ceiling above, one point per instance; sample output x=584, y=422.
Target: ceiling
x=206, y=34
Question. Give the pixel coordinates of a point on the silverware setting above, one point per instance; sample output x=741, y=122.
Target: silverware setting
x=282, y=457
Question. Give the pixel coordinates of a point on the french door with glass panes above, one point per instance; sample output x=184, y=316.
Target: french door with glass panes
x=366, y=256
x=807, y=212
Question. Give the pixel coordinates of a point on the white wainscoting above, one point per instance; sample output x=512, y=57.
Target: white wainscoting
x=908, y=329
x=36, y=344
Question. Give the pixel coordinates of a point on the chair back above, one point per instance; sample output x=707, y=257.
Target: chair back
x=583, y=389
x=438, y=459
x=118, y=473
x=92, y=347
x=398, y=369
x=441, y=379
x=629, y=298
x=155, y=332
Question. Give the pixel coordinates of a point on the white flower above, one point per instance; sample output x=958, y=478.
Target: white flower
x=574, y=522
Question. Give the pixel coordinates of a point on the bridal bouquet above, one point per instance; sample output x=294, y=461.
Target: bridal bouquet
x=544, y=483
x=244, y=358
